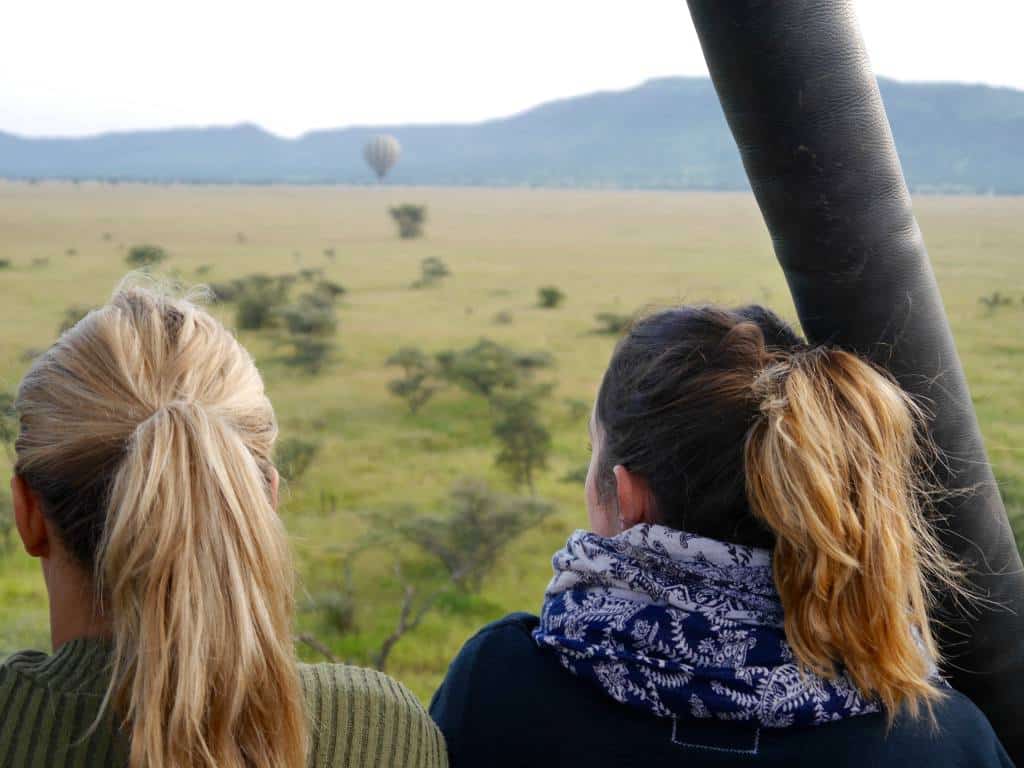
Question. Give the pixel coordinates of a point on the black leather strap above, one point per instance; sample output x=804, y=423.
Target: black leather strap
x=803, y=105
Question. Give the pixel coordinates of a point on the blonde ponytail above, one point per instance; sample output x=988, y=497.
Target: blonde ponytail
x=154, y=407
x=831, y=467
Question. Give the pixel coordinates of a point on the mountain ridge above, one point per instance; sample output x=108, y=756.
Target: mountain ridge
x=667, y=133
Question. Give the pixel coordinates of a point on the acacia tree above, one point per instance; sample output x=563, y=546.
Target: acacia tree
x=145, y=255
x=409, y=218
x=525, y=441
x=549, y=296
x=442, y=554
x=432, y=269
x=486, y=368
x=417, y=384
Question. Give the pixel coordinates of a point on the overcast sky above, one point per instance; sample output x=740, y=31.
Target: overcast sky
x=71, y=67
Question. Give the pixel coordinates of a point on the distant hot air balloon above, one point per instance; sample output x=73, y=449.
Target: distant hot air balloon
x=381, y=153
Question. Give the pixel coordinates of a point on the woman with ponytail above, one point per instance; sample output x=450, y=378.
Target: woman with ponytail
x=144, y=482
x=758, y=578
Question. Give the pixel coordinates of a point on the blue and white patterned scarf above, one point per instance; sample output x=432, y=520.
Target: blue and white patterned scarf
x=683, y=626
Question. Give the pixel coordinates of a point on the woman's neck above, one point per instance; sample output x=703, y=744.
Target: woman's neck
x=74, y=610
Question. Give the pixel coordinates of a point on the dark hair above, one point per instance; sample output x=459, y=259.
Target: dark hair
x=675, y=406
x=746, y=434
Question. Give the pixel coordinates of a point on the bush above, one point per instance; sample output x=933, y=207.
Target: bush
x=549, y=297
x=311, y=315
x=6, y=525
x=577, y=476
x=293, y=456
x=416, y=386
x=328, y=288
x=71, y=317
x=612, y=324
x=487, y=367
x=432, y=269
x=503, y=318
x=479, y=369
x=456, y=550
x=141, y=256
x=258, y=299
x=410, y=219
x=5, y=263
x=525, y=442
x=995, y=301
x=309, y=353
x=253, y=313
x=311, y=273
x=8, y=424
x=577, y=408
x=339, y=610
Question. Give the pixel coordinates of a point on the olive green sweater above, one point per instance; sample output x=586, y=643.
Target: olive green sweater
x=358, y=717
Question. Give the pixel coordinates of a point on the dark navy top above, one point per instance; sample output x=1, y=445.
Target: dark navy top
x=506, y=702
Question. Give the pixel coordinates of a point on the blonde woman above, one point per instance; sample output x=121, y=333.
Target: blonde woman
x=144, y=484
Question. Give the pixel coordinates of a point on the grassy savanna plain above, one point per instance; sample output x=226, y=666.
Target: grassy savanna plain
x=617, y=252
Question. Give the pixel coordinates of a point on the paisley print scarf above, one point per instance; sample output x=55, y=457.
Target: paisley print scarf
x=683, y=626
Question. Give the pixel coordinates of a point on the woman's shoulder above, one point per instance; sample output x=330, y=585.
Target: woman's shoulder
x=361, y=717
x=500, y=655
x=495, y=686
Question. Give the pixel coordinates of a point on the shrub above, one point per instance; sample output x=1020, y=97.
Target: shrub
x=503, y=318
x=5, y=263
x=339, y=610
x=525, y=442
x=479, y=369
x=577, y=476
x=577, y=408
x=416, y=386
x=995, y=300
x=456, y=549
x=432, y=269
x=309, y=353
x=141, y=256
x=253, y=312
x=258, y=299
x=549, y=297
x=8, y=424
x=409, y=218
x=612, y=324
x=71, y=317
x=332, y=289
x=6, y=524
x=293, y=456
x=310, y=316
x=487, y=367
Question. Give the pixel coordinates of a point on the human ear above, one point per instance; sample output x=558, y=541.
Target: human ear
x=29, y=519
x=636, y=504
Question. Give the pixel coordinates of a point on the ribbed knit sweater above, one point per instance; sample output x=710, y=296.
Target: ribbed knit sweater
x=358, y=717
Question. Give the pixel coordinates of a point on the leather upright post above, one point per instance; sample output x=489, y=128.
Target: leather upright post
x=803, y=105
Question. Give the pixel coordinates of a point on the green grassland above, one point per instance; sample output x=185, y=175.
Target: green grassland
x=609, y=251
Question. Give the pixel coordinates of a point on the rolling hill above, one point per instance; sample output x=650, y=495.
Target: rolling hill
x=667, y=133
